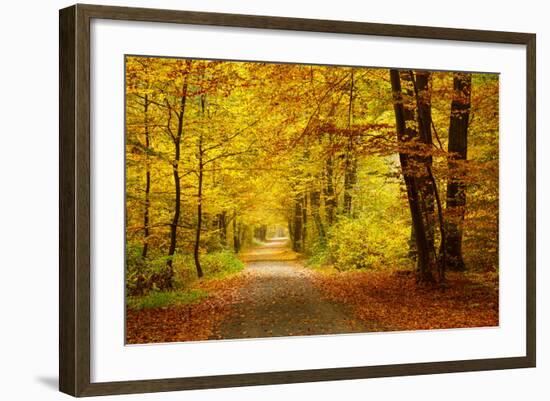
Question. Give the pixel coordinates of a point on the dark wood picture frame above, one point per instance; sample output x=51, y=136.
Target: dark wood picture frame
x=74, y=203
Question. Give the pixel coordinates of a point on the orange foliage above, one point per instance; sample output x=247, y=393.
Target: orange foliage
x=397, y=303
x=193, y=322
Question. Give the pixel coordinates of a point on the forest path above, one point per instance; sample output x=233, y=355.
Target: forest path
x=281, y=300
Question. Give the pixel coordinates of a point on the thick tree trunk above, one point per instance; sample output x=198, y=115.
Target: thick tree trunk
x=167, y=279
x=412, y=244
x=147, y=179
x=403, y=118
x=424, y=121
x=428, y=185
x=456, y=189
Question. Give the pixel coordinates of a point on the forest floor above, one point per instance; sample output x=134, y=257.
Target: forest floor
x=275, y=295
x=280, y=299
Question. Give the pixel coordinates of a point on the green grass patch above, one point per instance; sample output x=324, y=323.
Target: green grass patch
x=214, y=265
x=160, y=299
x=220, y=264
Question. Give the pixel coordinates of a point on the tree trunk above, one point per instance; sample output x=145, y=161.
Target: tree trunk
x=297, y=244
x=147, y=180
x=350, y=179
x=428, y=185
x=304, y=221
x=315, y=201
x=196, y=249
x=330, y=197
x=457, y=148
x=424, y=121
x=236, y=242
x=290, y=231
x=403, y=118
x=412, y=244
x=242, y=233
x=167, y=279
x=350, y=175
x=222, y=226
x=263, y=232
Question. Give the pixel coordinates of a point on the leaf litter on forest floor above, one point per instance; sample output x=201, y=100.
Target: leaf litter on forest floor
x=185, y=322
x=397, y=303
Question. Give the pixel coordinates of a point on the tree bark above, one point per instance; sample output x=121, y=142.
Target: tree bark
x=403, y=118
x=420, y=82
x=147, y=179
x=315, y=201
x=350, y=175
x=167, y=280
x=222, y=226
x=263, y=232
x=428, y=186
x=196, y=248
x=236, y=241
x=330, y=197
x=304, y=221
x=457, y=148
x=297, y=243
x=350, y=179
x=290, y=231
x=412, y=244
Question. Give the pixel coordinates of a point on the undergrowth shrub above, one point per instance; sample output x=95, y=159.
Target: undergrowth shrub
x=361, y=243
x=220, y=264
x=141, y=274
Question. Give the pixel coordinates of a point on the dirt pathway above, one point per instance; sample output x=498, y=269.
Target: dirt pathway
x=281, y=300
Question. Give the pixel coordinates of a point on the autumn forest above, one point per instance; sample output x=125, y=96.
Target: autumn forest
x=267, y=199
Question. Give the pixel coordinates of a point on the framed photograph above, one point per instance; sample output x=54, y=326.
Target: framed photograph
x=250, y=200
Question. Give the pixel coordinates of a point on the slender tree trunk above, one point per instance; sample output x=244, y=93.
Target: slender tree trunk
x=315, y=201
x=263, y=232
x=330, y=196
x=147, y=180
x=403, y=118
x=236, y=242
x=457, y=148
x=242, y=233
x=350, y=179
x=196, y=249
x=167, y=281
x=290, y=231
x=304, y=221
x=350, y=175
x=222, y=226
x=297, y=244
